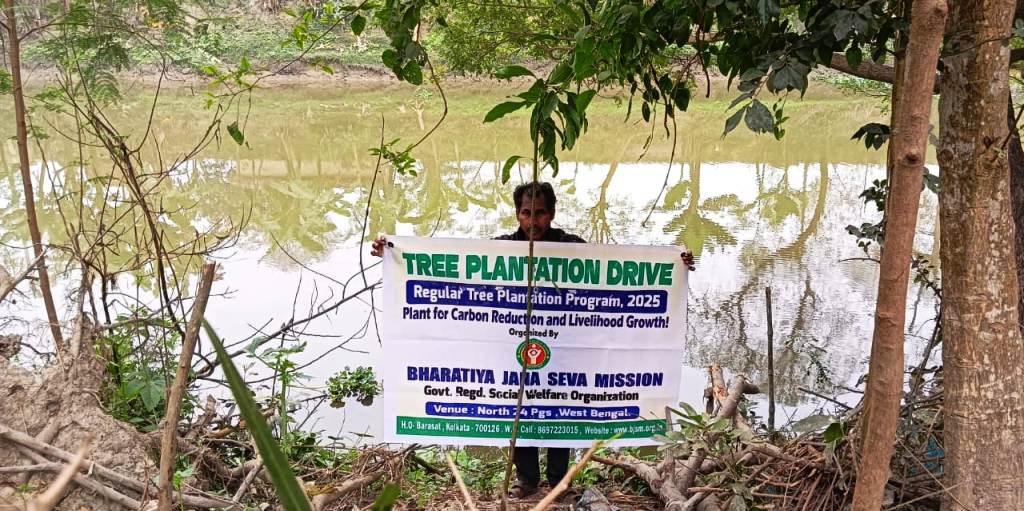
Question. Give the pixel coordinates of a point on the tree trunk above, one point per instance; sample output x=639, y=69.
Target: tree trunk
x=897, y=74
x=908, y=145
x=1016, y=160
x=983, y=352
x=14, y=50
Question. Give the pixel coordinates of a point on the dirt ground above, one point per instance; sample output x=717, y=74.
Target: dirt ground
x=64, y=401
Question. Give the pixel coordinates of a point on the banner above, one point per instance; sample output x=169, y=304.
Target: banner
x=603, y=355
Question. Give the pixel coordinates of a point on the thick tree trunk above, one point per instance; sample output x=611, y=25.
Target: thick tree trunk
x=983, y=352
x=14, y=51
x=907, y=146
x=1015, y=153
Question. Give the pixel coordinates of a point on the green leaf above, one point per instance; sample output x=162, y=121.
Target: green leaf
x=290, y=494
x=533, y=94
x=931, y=181
x=688, y=409
x=236, y=133
x=503, y=109
x=874, y=134
x=6, y=82
x=358, y=24
x=412, y=73
x=792, y=76
x=681, y=96
x=506, y=169
x=511, y=72
x=752, y=75
x=759, y=118
x=133, y=388
x=733, y=121
x=566, y=9
x=626, y=13
x=560, y=73
x=843, y=23
x=153, y=394
x=854, y=56
x=386, y=500
x=584, y=99
x=390, y=58
x=741, y=98
x=583, y=57
x=767, y=9
x=833, y=433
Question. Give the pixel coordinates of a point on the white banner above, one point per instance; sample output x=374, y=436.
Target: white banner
x=604, y=350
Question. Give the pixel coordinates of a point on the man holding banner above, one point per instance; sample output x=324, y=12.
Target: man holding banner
x=606, y=326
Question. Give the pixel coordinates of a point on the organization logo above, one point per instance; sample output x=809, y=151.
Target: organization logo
x=534, y=352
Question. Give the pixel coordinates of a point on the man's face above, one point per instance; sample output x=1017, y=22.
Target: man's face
x=534, y=217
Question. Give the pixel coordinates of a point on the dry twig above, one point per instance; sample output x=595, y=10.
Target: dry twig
x=462, y=485
x=55, y=492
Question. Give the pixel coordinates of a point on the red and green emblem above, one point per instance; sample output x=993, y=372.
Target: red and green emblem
x=534, y=352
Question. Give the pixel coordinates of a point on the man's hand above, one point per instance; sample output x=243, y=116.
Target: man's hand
x=378, y=247
x=687, y=260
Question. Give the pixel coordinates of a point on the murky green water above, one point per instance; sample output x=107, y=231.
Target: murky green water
x=755, y=212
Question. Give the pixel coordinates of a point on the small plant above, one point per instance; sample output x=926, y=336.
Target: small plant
x=137, y=355
x=286, y=371
x=360, y=383
x=699, y=431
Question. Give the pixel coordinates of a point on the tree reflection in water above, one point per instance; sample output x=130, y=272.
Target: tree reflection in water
x=769, y=220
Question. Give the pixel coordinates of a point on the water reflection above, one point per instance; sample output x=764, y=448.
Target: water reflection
x=754, y=211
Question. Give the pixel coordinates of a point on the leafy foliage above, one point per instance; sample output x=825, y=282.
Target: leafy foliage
x=292, y=497
x=406, y=57
x=136, y=352
x=637, y=45
x=481, y=37
x=401, y=160
x=874, y=135
x=6, y=82
x=877, y=194
x=360, y=383
x=698, y=432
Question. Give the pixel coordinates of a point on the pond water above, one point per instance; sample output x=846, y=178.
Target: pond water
x=756, y=212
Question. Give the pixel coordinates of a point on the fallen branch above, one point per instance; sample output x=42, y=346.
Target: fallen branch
x=29, y=469
x=425, y=465
x=45, y=435
x=87, y=482
x=727, y=409
x=248, y=481
x=211, y=365
x=669, y=494
x=321, y=501
x=665, y=480
x=31, y=444
x=55, y=492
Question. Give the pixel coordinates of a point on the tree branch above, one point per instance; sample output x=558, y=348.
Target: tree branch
x=188, y=345
x=866, y=69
